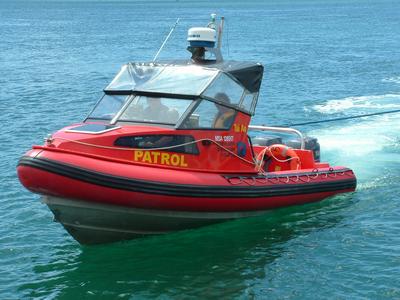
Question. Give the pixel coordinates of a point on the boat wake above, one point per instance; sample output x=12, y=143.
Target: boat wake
x=364, y=104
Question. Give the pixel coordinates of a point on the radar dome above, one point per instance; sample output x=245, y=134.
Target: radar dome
x=202, y=37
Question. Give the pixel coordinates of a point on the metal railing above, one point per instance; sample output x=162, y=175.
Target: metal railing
x=280, y=129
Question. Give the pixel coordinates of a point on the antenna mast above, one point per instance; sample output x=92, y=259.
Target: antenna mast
x=166, y=40
x=220, y=31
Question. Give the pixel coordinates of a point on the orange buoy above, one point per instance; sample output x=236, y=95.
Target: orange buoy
x=283, y=152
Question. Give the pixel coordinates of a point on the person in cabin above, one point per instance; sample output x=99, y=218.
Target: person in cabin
x=225, y=115
x=157, y=111
x=154, y=110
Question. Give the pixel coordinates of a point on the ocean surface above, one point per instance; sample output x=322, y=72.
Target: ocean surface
x=323, y=59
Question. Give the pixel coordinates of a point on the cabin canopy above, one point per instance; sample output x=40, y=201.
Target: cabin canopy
x=157, y=78
x=230, y=83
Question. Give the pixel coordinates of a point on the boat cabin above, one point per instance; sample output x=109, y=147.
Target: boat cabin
x=180, y=94
x=162, y=105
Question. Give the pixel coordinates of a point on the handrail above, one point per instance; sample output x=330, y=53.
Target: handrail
x=280, y=129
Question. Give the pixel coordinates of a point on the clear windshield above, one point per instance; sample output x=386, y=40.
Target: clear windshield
x=249, y=101
x=171, y=79
x=210, y=115
x=107, y=107
x=225, y=89
x=155, y=110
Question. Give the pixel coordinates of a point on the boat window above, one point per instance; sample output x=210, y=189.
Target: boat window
x=169, y=79
x=160, y=141
x=210, y=115
x=107, y=107
x=254, y=104
x=247, y=101
x=148, y=109
x=225, y=89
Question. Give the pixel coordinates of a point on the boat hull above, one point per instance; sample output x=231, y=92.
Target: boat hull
x=99, y=201
x=93, y=223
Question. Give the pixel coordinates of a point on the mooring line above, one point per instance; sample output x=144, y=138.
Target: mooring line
x=340, y=119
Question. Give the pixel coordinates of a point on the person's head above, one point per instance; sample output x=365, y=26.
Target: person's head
x=223, y=98
x=153, y=102
x=197, y=53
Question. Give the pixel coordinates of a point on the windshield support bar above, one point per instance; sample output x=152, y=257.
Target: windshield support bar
x=152, y=94
x=118, y=114
x=118, y=92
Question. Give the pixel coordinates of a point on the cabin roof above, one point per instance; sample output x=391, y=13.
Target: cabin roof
x=249, y=74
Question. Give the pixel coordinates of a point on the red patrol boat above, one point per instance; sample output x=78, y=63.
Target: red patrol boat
x=167, y=148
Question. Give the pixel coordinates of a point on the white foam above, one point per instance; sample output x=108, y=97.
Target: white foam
x=366, y=103
x=366, y=146
x=395, y=79
x=358, y=139
x=363, y=144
